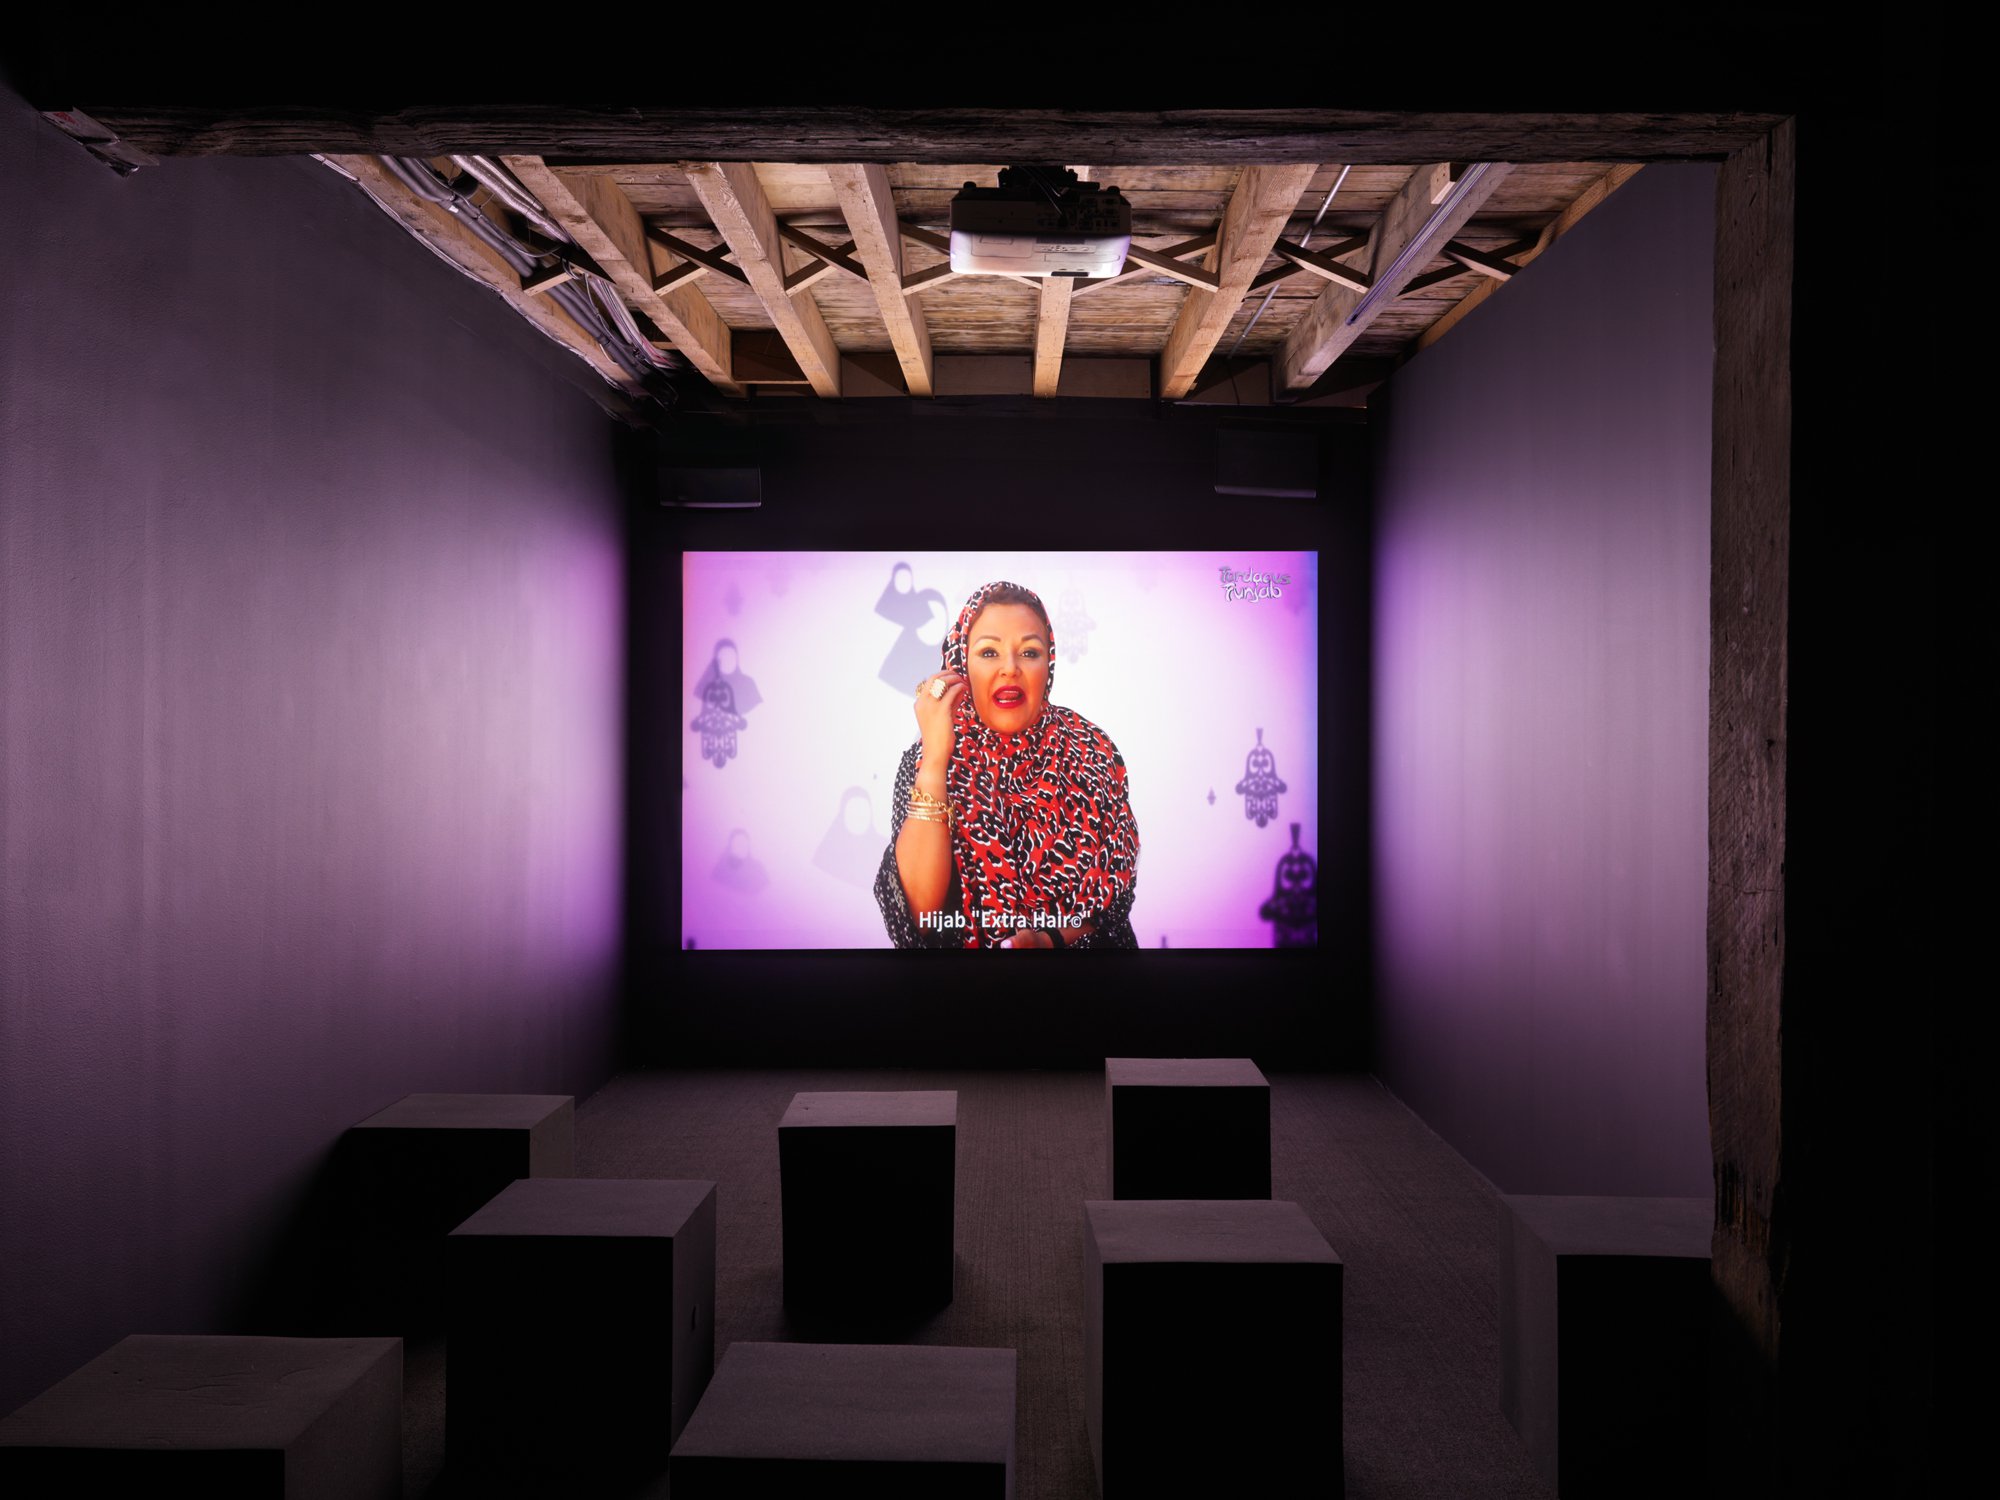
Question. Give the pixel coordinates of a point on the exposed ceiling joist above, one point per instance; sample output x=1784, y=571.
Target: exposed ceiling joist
x=1298, y=259
x=696, y=261
x=1195, y=276
x=826, y=258
x=734, y=200
x=1505, y=255
x=1485, y=262
x=1051, y=331
x=1260, y=206
x=451, y=239
x=547, y=281
x=1324, y=263
x=600, y=218
x=868, y=203
x=1411, y=232
x=1567, y=220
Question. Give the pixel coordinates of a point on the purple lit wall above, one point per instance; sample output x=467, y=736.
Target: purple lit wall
x=311, y=656
x=1541, y=692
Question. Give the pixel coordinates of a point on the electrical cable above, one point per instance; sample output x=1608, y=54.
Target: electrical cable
x=620, y=339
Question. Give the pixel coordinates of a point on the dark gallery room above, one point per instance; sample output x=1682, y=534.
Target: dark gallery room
x=1476, y=526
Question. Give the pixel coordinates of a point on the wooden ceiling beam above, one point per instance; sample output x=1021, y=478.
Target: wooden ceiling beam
x=443, y=232
x=1410, y=232
x=1485, y=262
x=1297, y=258
x=1259, y=208
x=697, y=261
x=1051, y=331
x=1561, y=225
x=600, y=218
x=868, y=204
x=152, y=120
x=830, y=257
x=1321, y=263
x=1052, y=322
x=1133, y=269
x=1505, y=255
x=816, y=270
x=734, y=199
x=1194, y=276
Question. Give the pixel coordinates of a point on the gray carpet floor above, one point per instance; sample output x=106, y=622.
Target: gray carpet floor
x=1416, y=1226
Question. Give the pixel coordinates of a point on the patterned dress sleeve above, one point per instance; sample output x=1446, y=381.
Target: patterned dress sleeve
x=896, y=915
x=1112, y=927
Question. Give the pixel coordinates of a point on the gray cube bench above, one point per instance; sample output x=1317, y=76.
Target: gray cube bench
x=419, y=1168
x=869, y=1186
x=1212, y=1348
x=852, y=1422
x=581, y=1317
x=1187, y=1127
x=235, y=1418
x=1604, y=1306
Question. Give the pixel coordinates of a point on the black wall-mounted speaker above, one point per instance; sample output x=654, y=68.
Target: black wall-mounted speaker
x=1263, y=461
x=712, y=487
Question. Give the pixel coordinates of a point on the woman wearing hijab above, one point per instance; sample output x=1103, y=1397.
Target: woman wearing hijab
x=1011, y=827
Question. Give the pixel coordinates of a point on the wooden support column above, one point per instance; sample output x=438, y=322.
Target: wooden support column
x=1749, y=602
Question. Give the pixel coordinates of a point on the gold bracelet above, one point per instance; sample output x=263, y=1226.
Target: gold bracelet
x=928, y=809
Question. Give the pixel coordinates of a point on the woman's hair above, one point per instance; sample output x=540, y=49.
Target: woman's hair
x=1008, y=593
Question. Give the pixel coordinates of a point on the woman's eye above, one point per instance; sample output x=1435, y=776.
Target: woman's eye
x=1031, y=654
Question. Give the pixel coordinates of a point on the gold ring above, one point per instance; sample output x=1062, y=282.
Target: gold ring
x=939, y=688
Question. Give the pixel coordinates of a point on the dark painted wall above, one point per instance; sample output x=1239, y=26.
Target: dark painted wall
x=311, y=638
x=1541, y=701
x=978, y=475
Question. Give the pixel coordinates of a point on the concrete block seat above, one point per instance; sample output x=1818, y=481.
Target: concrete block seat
x=1212, y=1349
x=852, y=1422
x=1604, y=1305
x=869, y=1182
x=581, y=1320
x=232, y=1418
x=1187, y=1127
x=419, y=1168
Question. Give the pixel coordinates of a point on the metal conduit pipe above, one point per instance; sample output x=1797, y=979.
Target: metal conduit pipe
x=417, y=175
x=510, y=190
x=1304, y=243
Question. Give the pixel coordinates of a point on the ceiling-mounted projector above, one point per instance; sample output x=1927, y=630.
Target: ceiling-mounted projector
x=1040, y=221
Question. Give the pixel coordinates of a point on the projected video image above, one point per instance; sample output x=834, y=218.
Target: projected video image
x=1004, y=751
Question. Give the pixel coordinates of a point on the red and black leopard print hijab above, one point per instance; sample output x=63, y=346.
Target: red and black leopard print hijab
x=1041, y=820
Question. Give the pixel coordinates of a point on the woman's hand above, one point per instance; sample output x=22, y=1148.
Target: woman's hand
x=934, y=714
x=923, y=848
